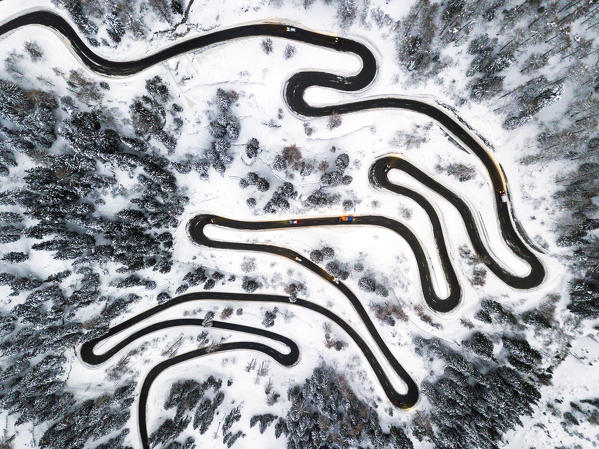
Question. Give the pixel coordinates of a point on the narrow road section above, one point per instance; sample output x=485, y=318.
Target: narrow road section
x=294, y=96
x=401, y=400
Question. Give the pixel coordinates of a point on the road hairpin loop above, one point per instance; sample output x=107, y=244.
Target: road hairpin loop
x=294, y=96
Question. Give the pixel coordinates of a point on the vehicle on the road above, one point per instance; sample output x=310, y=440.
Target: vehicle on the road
x=347, y=218
x=292, y=221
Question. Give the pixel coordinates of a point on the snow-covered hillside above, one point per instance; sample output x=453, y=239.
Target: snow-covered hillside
x=100, y=176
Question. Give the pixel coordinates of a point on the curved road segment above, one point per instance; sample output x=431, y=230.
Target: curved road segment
x=294, y=96
x=379, y=178
x=402, y=400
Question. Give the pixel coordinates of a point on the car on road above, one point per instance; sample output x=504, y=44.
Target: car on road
x=347, y=218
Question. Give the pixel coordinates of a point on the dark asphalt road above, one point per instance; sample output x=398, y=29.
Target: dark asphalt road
x=89, y=356
x=379, y=177
x=294, y=95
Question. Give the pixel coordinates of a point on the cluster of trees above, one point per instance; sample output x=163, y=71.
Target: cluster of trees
x=59, y=195
x=322, y=198
x=269, y=317
x=478, y=274
x=338, y=269
x=431, y=26
x=585, y=410
x=198, y=276
x=531, y=97
x=34, y=337
x=279, y=200
x=292, y=161
x=149, y=114
x=388, y=312
x=33, y=50
x=492, y=311
x=326, y=413
x=224, y=128
x=267, y=45
x=85, y=89
x=253, y=179
x=488, y=383
x=194, y=402
x=417, y=51
x=35, y=391
x=462, y=172
x=318, y=255
x=335, y=267
x=369, y=284
x=540, y=319
x=250, y=284
x=91, y=420
x=62, y=194
x=584, y=294
x=133, y=281
x=289, y=51
x=121, y=16
x=330, y=340
x=488, y=61
x=57, y=206
x=197, y=404
x=229, y=438
x=263, y=420
x=295, y=289
x=479, y=344
x=28, y=123
x=252, y=148
x=578, y=196
x=66, y=190
x=336, y=176
x=342, y=270
x=475, y=400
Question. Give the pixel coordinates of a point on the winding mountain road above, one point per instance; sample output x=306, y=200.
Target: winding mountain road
x=379, y=178
x=402, y=400
x=88, y=355
x=294, y=96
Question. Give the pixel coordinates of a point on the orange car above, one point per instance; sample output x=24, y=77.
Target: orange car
x=346, y=218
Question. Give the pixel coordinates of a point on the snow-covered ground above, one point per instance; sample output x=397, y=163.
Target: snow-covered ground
x=258, y=78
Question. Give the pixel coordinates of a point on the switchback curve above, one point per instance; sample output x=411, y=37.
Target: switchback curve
x=88, y=355
x=402, y=400
x=294, y=95
x=199, y=222
x=379, y=177
x=296, y=85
